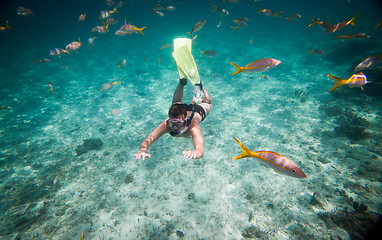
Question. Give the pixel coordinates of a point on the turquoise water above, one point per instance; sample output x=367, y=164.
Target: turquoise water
x=91, y=136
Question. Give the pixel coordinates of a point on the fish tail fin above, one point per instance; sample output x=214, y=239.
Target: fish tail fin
x=238, y=68
x=115, y=10
x=311, y=51
x=233, y=28
x=213, y=7
x=117, y=82
x=338, y=82
x=260, y=10
x=245, y=152
x=352, y=21
x=201, y=52
x=190, y=33
x=140, y=30
x=235, y=21
x=288, y=19
x=7, y=25
x=315, y=22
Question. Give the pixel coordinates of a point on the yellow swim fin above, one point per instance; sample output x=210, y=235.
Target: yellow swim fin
x=185, y=61
x=179, y=42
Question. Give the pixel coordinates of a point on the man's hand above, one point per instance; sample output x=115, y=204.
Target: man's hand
x=143, y=154
x=192, y=154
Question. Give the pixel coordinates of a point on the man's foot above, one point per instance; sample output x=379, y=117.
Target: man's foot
x=183, y=81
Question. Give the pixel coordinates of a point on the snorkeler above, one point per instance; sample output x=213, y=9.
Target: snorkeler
x=184, y=119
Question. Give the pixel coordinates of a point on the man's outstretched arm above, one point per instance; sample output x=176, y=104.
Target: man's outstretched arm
x=157, y=133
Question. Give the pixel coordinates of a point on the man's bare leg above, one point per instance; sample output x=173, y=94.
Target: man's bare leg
x=178, y=94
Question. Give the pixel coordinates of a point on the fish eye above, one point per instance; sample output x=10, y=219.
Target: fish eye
x=293, y=170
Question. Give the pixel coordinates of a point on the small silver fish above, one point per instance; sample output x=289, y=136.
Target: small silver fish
x=317, y=51
x=219, y=11
x=208, y=53
x=91, y=41
x=57, y=176
x=198, y=26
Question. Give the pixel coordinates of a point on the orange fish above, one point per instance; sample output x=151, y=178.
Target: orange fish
x=356, y=80
x=82, y=235
x=73, y=45
x=51, y=87
x=260, y=65
x=278, y=162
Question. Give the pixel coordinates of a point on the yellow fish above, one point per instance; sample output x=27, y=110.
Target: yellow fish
x=356, y=80
x=108, y=85
x=6, y=26
x=122, y=63
x=73, y=45
x=278, y=162
x=260, y=65
x=358, y=35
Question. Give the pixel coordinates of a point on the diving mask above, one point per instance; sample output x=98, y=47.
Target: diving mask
x=176, y=124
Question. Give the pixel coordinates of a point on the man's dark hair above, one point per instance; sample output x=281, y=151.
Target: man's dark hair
x=177, y=110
